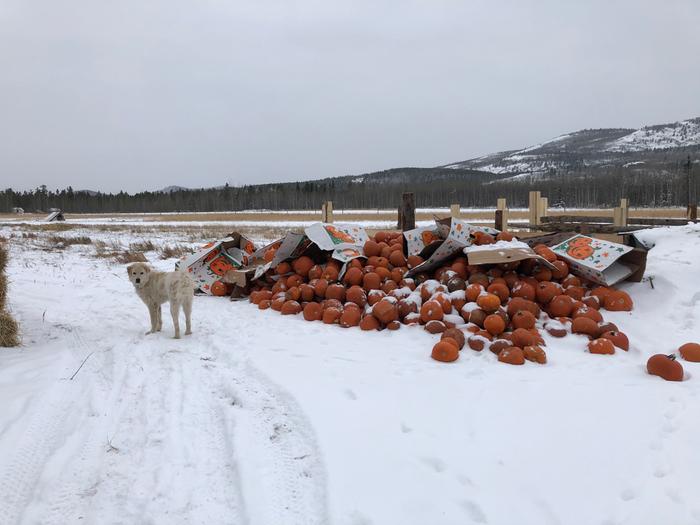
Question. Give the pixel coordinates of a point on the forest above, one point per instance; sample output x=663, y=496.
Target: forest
x=433, y=187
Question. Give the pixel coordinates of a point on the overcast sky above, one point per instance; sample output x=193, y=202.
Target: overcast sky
x=143, y=94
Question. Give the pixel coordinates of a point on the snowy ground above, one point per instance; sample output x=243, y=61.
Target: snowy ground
x=263, y=419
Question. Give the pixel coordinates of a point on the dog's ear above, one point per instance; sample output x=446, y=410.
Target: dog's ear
x=129, y=268
x=147, y=268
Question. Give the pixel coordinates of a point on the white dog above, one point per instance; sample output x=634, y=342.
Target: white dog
x=155, y=288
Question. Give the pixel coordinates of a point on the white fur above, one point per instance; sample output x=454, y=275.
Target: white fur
x=155, y=288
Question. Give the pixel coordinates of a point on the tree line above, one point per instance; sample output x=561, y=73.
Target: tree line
x=576, y=186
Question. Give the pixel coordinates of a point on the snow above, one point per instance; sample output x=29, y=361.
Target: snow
x=677, y=135
x=259, y=418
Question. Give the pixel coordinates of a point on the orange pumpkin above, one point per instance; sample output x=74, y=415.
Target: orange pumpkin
x=618, y=339
x=386, y=311
x=690, y=352
x=331, y=315
x=445, y=352
x=435, y=327
x=488, y=302
x=498, y=345
x=371, y=281
x=302, y=265
x=666, y=367
x=290, y=308
x=494, y=324
x=350, y=317
x=585, y=325
x=535, y=354
x=523, y=319
x=431, y=311
x=369, y=322
x=455, y=334
x=601, y=346
x=522, y=338
x=353, y=277
x=313, y=312
x=512, y=355
x=219, y=288
x=618, y=301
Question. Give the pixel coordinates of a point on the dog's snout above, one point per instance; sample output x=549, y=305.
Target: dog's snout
x=138, y=280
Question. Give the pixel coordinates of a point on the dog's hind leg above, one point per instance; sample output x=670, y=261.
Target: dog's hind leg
x=175, y=312
x=159, y=313
x=187, y=308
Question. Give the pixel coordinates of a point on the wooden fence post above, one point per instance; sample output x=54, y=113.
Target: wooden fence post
x=544, y=207
x=621, y=214
x=455, y=211
x=535, y=206
x=501, y=222
x=327, y=212
x=407, y=212
x=693, y=212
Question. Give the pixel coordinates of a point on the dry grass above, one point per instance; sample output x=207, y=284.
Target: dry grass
x=142, y=246
x=127, y=257
x=9, y=330
x=69, y=241
x=3, y=290
x=177, y=251
x=3, y=257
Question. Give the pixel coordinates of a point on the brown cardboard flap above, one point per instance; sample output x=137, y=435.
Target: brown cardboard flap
x=504, y=255
x=636, y=258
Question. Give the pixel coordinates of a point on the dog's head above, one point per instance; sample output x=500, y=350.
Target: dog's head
x=138, y=274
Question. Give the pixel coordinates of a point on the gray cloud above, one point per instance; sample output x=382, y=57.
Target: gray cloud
x=143, y=94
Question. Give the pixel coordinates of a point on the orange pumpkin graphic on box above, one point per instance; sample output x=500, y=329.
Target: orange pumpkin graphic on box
x=249, y=247
x=427, y=237
x=337, y=236
x=218, y=263
x=580, y=248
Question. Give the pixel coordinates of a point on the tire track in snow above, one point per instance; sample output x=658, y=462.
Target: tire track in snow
x=284, y=480
x=40, y=439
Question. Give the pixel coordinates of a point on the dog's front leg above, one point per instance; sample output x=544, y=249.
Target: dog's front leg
x=175, y=312
x=154, y=318
x=159, y=313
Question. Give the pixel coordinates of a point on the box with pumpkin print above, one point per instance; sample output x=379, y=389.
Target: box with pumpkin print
x=601, y=261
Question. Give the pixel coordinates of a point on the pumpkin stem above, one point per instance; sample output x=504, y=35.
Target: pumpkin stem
x=672, y=357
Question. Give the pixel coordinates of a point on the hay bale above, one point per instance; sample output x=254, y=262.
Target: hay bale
x=9, y=330
x=3, y=290
x=3, y=257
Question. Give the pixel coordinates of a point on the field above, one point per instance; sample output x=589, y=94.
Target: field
x=263, y=419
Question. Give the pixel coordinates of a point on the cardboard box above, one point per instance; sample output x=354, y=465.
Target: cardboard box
x=455, y=235
x=600, y=261
x=503, y=252
x=214, y=260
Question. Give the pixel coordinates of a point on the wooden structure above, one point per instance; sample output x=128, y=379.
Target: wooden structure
x=327, y=212
x=407, y=212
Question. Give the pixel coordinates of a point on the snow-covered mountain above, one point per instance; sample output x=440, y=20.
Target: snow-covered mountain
x=595, y=147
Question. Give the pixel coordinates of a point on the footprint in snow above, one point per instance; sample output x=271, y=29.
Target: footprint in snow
x=350, y=394
x=436, y=464
x=405, y=428
x=474, y=511
x=628, y=495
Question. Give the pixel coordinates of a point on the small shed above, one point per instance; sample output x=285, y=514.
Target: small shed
x=18, y=210
x=55, y=216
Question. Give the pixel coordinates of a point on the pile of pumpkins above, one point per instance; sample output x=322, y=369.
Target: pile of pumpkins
x=500, y=307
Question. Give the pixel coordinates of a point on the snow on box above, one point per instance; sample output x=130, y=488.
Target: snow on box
x=601, y=261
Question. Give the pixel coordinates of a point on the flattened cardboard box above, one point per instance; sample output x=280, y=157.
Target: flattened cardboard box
x=503, y=252
x=600, y=261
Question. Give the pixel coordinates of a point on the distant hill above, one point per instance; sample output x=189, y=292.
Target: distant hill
x=657, y=148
